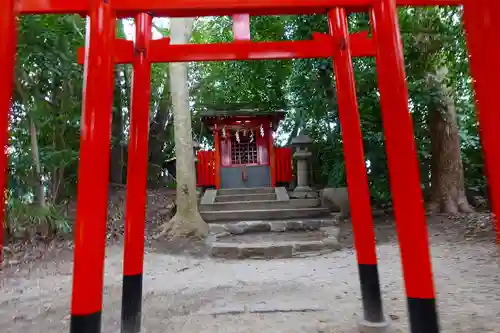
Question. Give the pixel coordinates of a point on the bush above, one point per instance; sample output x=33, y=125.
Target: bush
x=29, y=220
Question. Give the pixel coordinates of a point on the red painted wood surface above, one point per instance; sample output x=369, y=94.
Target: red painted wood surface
x=283, y=165
x=321, y=46
x=137, y=172
x=191, y=8
x=217, y=159
x=272, y=157
x=93, y=174
x=352, y=137
x=205, y=169
x=483, y=42
x=404, y=172
x=7, y=59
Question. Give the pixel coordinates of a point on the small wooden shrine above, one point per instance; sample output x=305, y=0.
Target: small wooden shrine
x=245, y=154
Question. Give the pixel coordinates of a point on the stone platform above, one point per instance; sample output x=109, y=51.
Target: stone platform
x=266, y=223
x=274, y=239
x=256, y=204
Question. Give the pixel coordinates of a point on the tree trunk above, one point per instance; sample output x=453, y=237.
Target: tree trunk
x=116, y=170
x=35, y=153
x=158, y=136
x=187, y=222
x=40, y=190
x=60, y=97
x=447, y=175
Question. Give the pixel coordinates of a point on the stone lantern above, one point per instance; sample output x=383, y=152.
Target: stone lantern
x=301, y=144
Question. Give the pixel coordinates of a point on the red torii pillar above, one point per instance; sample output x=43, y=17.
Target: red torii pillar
x=484, y=51
x=357, y=179
x=7, y=59
x=411, y=222
x=137, y=173
x=93, y=172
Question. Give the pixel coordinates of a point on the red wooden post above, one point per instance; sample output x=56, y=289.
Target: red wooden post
x=137, y=174
x=7, y=59
x=279, y=164
x=93, y=173
x=217, y=156
x=287, y=160
x=272, y=156
x=283, y=165
x=206, y=170
x=403, y=170
x=208, y=175
x=199, y=169
x=204, y=174
x=484, y=49
x=211, y=168
x=357, y=180
x=199, y=165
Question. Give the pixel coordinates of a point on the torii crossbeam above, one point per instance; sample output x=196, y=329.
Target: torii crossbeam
x=103, y=51
x=193, y=8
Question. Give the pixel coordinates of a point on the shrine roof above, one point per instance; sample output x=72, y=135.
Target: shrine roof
x=238, y=113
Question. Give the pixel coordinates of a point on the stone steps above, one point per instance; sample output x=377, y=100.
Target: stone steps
x=259, y=205
x=262, y=214
x=244, y=227
x=243, y=191
x=245, y=197
x=274, y=239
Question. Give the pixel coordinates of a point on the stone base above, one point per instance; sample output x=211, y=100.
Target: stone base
x=274, y=239
x=303, y=192
x=370, y=327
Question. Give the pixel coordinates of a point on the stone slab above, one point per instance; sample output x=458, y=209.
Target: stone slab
x=242, y=227
x=303, y=193
x=250, y=190
x=286, y=246
x=259, y=205
x=245, y=197
x=208, y=197
x=262, y=214
x=282, y=194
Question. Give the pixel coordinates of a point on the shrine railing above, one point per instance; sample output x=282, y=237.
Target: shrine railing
x=284, y=174
x=205, y=169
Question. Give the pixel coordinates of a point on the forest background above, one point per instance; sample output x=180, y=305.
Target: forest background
x=45, y=120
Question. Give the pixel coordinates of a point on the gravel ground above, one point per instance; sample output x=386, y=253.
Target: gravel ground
x=317, y=294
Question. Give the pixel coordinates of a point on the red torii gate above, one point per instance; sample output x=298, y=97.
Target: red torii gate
x=102, y=51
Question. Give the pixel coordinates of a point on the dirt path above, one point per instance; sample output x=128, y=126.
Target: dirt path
x=319, y=294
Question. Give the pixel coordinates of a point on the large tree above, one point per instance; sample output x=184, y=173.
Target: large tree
x=430, y=49
x=447, y=173
x=187, y=222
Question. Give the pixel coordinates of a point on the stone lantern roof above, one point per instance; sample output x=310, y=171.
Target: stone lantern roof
x=301, y=141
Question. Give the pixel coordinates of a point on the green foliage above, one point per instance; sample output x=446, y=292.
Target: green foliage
x=49, y=84
x=433, y=38
x=253, y=83
x=48, y=91
x=27, y=220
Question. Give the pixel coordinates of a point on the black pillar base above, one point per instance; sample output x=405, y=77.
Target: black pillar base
x=86, y=323
x=423, y=315
x=131, y=303
x=370, y=292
